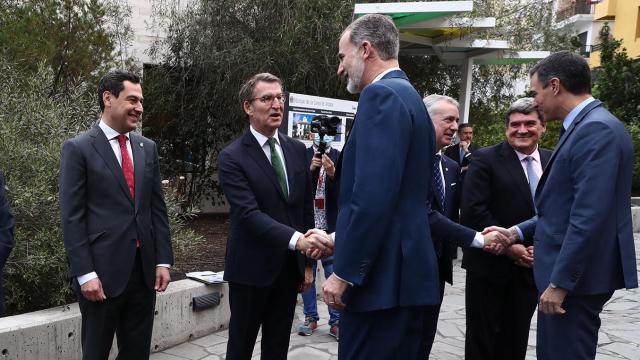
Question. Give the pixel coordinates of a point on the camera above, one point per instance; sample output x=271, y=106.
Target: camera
x=324, y=125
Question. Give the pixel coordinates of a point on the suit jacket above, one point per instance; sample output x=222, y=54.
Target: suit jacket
x=583, y=232
x=383, y=244
x=330, y=189
x=262, y=219
x=496, y=192
x=453, y=152
x=445, y=230
x=101, y=221
x=6, y=226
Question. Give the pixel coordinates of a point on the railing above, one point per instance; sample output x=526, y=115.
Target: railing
x=578, y=7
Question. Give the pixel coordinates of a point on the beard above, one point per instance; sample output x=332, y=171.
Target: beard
x=355, y=77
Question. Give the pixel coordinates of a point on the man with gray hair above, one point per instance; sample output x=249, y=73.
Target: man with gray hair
x=500, y=294
x=385, y=267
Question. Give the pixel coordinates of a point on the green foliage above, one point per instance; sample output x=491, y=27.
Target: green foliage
x=76, y=39
x=617, y=81
x=33, y=127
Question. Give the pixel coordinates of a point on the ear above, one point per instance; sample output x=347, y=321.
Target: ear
x=368, y=51
x=106, y=98
x=555, y=85
x=247, y=107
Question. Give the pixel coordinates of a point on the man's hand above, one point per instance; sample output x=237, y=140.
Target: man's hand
x=329, y=168
x=92, y=290
x=308, y=279
x=162, y=278
x=316, y=162
x=520, y=255
x=464, y=145
x=551, y=301
x=333, y=289
x=315, y=239
x=511, y=233
x=495, y=242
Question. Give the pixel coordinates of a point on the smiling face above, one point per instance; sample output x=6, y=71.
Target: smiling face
x=445, y=121
x=524, y=131
x=351, y=67
x=122, y=113
x=265, y=117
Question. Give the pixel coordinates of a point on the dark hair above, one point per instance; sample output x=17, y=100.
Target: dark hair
x=465, y=125
x=524, y=106
x=380, y=31
x=246, y=90
x=571, y=69
x=113, y=82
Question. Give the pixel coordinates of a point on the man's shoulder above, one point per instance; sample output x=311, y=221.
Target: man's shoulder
x=450, y=163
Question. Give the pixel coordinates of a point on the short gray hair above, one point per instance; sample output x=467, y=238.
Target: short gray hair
x=523, y=106
x=431, y=102
x=246, y=90
x=380, y=31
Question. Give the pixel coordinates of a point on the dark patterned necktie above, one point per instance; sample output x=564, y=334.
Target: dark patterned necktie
x=276, y=162
x=437, y=180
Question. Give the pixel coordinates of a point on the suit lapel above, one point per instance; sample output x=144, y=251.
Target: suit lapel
x=514, y=168
x=594, y=104
x=257, y=154
x=103, y=148
x=137, y=148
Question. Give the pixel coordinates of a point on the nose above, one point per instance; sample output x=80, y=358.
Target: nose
x=139, y=108
x=340, y=70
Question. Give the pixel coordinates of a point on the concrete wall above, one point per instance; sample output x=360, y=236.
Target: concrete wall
x=54, y=334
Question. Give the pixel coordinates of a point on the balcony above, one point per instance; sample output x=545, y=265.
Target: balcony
x=579, y=7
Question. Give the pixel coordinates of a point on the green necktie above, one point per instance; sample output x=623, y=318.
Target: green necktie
x=276, y=162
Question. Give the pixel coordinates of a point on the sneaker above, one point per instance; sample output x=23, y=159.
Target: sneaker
x=310, y=324
x=335, y=331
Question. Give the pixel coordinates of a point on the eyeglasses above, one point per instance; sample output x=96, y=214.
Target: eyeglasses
x=268, y=99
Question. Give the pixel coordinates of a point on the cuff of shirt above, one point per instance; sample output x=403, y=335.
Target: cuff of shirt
x=164, y=265
x=478, y=241
x=520, y=236
x=294, y=240
x=82, y=279
x=343, y=280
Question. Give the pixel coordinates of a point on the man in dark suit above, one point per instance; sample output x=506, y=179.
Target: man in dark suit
x=114, y=219
x=500, y=294
x=385, y=264
x=266, y=180
x=6, y=235
x=582, y=235
x=461, y=152
x=325, y=208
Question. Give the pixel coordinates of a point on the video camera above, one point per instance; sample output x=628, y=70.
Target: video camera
x=324, y=125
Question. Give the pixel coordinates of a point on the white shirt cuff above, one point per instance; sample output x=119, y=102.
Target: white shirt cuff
x=164, y=265
x=341, y=279
x=82, y=279
x=478, y=241
x=294, y=240
x=520, y=236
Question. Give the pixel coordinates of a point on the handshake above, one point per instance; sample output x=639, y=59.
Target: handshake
x=497, y=240
x=315, y=244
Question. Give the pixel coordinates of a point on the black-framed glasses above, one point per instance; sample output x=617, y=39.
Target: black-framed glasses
x=269, y=99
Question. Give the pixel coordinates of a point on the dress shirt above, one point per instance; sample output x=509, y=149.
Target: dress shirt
x=384, y=73
x=537, y=164
x=576, y=110
x=264, y=145
x=112, y=136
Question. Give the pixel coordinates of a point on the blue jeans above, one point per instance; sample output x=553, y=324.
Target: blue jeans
x=309, y=296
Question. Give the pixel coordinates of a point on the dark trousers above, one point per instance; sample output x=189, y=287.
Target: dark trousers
x=272, y=307
x=573, y=335
x=431, y=314
x=383, y=334
x=128, y=315
x=498, y=315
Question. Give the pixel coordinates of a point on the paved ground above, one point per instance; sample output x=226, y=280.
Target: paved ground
x=619, y=335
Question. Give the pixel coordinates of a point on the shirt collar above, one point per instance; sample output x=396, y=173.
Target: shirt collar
x=382, y=74
x=109, y=132
x=261, y=138
x=535, y=155
x=576, y=110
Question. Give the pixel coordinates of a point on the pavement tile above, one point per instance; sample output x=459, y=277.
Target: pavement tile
x=209, y=340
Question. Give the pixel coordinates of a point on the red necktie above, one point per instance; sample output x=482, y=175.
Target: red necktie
x=127, y=165
x=127, y=169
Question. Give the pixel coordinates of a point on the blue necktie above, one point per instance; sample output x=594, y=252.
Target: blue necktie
x=533, y=177
x=437, y=180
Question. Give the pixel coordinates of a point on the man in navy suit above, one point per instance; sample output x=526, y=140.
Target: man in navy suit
x=500, y=294
x=265, y=177
x=385, y=266
x=582, y=234
x=115, y=225
x=461, y=152
x=6, y=235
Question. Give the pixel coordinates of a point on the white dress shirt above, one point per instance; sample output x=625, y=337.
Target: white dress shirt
x=537, y=163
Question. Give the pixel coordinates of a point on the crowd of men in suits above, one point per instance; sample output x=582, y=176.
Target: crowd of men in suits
x=537, y=228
